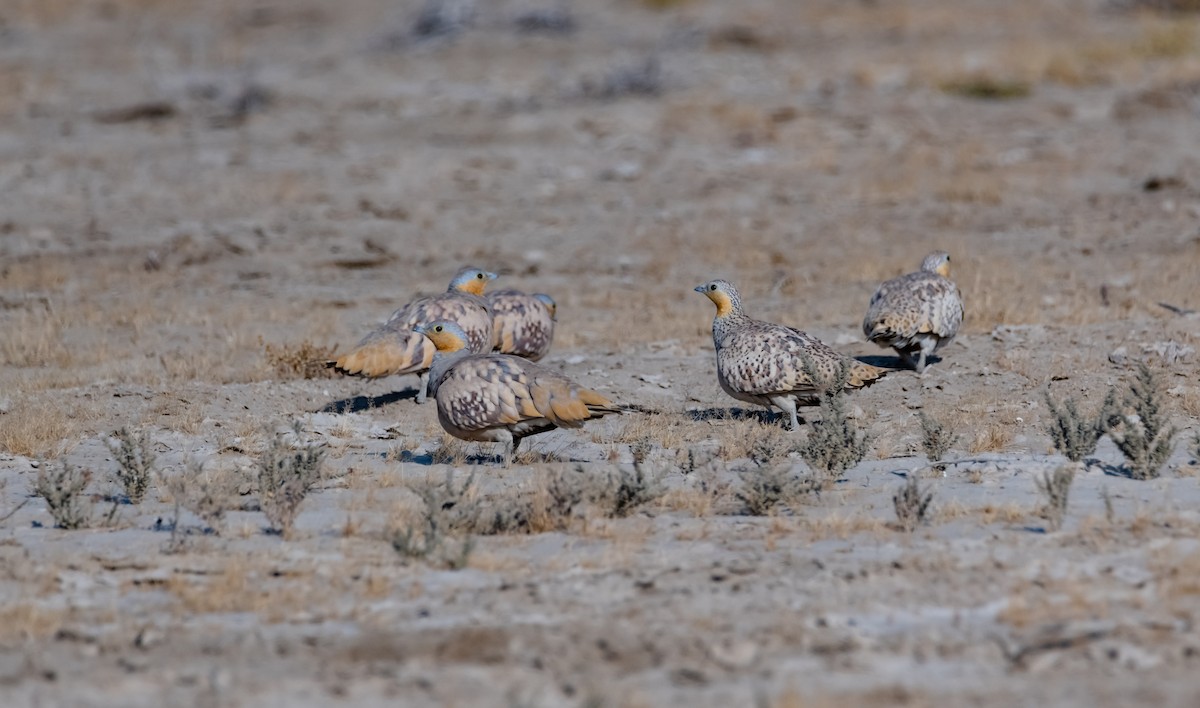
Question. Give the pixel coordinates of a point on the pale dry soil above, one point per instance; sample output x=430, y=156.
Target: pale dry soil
x=197, y=196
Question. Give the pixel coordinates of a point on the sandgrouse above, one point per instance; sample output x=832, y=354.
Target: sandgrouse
x=763, y=363
x=916, y=314
x=502, y=398
x=395, y=348
x=523, y=323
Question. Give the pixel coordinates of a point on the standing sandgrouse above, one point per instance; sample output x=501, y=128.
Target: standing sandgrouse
x=763, y=363
x=395, y=348
x=523, y=323
x=918, y=313
x=502, y=398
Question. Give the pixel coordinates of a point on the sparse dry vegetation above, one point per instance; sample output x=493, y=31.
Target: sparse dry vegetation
x=1141, y=431
x=196, y=201
x=304, y=360
x=207, y=493
x=64, y=487
x=135, y=459
x=936, y=438
x=1055, y=488
x=767, y=486
x=1074, y=434
x=438, y=532
x=287, y=472
x=834, y=443
x=911, y=504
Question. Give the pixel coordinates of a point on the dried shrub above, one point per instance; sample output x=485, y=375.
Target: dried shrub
x=911, y=504
x=437, y=533
x=765, y=487
x=64, y=489
x=834, y=443
x=629, y=490
x=135, y=462
x=451, y=451
x=286, y=474
x=208, y=494
x=305, y=360
x=1143, y=435
x=936, y=438
x=1074, y=434
x=1055, y=488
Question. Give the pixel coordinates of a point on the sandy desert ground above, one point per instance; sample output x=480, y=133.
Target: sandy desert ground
x=200, y=198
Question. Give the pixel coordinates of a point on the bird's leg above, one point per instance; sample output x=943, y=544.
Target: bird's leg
x=423, y=388
x=510, y=448
x=921, y=363
x=787, y=404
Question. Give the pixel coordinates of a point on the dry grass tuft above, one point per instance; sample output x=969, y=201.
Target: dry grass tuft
x=305, y=360
x=993, y=438
x=36, y=430
x=451, y=451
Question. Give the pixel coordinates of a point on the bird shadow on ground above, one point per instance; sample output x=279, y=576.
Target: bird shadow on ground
x=894, y=362
x=357, y=404
x=1111, y=470
x=525, y=458
x=759, y=414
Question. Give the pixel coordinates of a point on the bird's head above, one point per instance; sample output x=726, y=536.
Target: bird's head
x=937, y=262
x=447, y=336
x=471, y=280
x=723, y=295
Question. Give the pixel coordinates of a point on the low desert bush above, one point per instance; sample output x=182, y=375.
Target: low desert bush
x=135, y=459
x=208, y=494
x=936, y=438
x=439, y=531
x=65, y=490
x=1074, y=434
x=911, y=504
x=834, y=443
x=286, y=474
x=765, y=487
x=1141, y=430
x=1055, y=488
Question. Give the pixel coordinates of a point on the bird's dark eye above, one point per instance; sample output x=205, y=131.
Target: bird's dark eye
x=437, y=329
x=479, y=276
x=947, y=259
x=713, y=286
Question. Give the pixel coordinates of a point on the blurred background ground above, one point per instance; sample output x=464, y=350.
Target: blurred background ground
x=197, y=195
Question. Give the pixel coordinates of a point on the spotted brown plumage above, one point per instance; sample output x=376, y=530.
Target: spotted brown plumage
x=523, y=323
x=763, y=363
x=503, y=398
x=394, y=348
x=916, y=314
